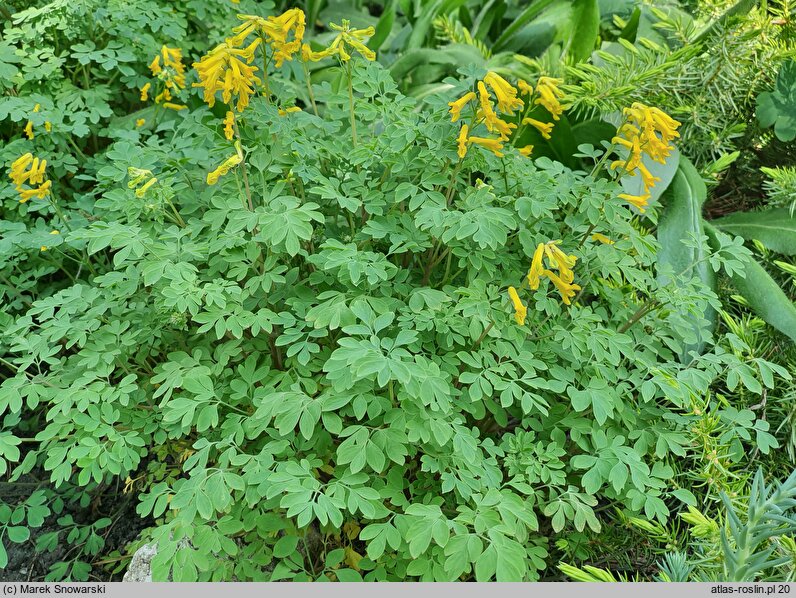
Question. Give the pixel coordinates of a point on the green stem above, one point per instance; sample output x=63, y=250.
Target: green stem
x=351, y=104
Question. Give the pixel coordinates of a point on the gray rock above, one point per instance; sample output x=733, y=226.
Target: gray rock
x=140, y=568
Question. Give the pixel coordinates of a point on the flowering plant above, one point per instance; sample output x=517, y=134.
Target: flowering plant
x=322, y=341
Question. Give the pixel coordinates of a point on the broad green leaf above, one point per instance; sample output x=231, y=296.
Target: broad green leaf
x=775, y=228
x=681, y=221
x=584, y=30
x=763, y=294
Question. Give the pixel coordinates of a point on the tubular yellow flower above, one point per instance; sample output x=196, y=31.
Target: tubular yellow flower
x=462, y=141
x=141, y=191
x=640, y=201
x=308, y=55
x=506, y=94
x=458, y=105
x=18, y=167
x=163, y=95
x=229, y=120
x=48, y=126
x=286, y=111
x=223, y=168
x=487, y=112
x=494, y=145
x=41, y=192
x=543, y=128
x=647, y=177
x=145, y=92
x=140, y=122
x=520, y=311
x=29, y=129
x=565, y=289
x=37, y=107
x=537, y=268
x=560, y=261
x=602, y=239
x=171, y=106
x=526, y=151
x=550, y=96
x=524, y=88
x=154, y=66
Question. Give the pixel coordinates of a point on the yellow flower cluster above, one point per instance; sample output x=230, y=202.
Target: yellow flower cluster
x=224, y=168
x=27, y=170
x=228, y=69
x=283, y=33
x=353, y=38
x=646, y=130
x=168, y=68
x=556, y=260
x=139, y=176
x=507, y=100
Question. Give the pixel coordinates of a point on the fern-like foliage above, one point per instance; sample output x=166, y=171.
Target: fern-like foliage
x=748, y=547
x=450, y=30
x=781, y=186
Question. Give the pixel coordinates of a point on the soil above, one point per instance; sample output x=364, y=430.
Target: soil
x=25, y=564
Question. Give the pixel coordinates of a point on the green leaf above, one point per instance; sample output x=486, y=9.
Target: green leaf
x=681, y=221
x=519, y=22
x=383, y=27
x=584, y=29
x=762, y=293
x=775, y=228
x=285, y=546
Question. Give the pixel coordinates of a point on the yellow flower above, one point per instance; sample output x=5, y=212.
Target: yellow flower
x=308, y=55
x=520, y=311
x=41, y=192
x=174, y=106
x=543, y=128
x=602, y=239
x=526, y=151
x=565, y=289
x=458, y=105
x=647, y=178
x=276, y=30
x=462, y=140
x=550, y=96
x=29, y=129
x=487, y=112
x=145, y=92
x=154, y=66
x=537, y=268
x=229, y=121
x=223, y=168
x=141, y=191
x=140, y=122
x=48, y=126
x=493, y=145
x=505, y=93
x=287, y=111
x=560, y=261
x=163, y=95
x=37, y=107
x=229, y=70
x=640, y=201
x=525, y=89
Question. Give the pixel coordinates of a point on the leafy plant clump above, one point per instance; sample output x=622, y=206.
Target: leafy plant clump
x=353, y=340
